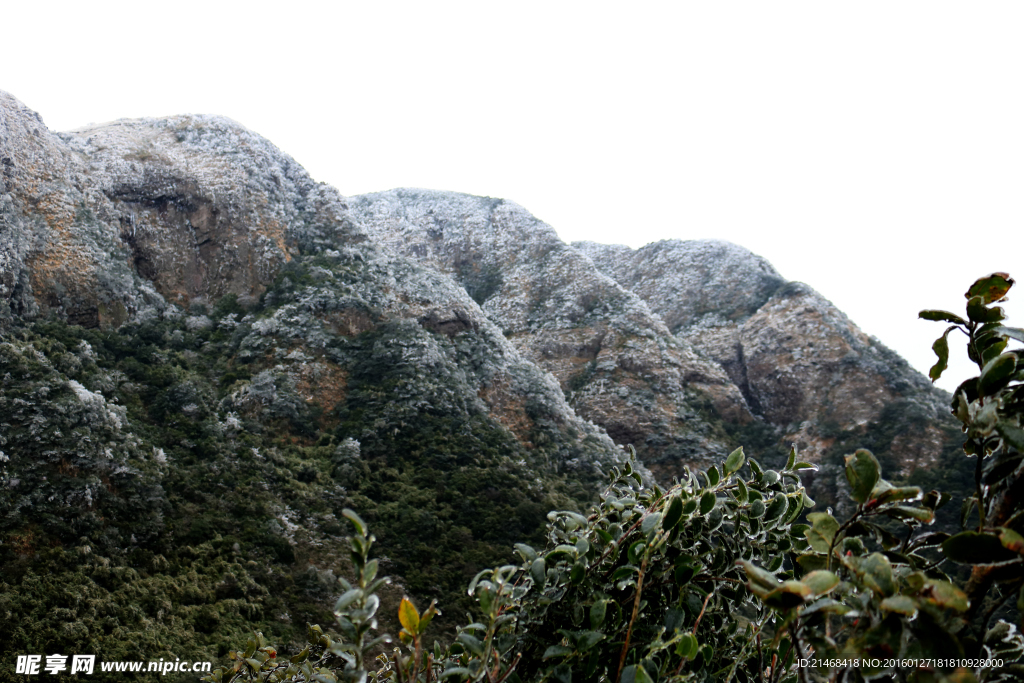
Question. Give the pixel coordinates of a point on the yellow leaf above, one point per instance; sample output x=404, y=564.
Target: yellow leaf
x=409, y=617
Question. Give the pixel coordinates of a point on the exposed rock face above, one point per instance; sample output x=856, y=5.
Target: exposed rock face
x=674, y=348
x=616, y=361
x=122, y=220
x=697, y=284
x=801, y=364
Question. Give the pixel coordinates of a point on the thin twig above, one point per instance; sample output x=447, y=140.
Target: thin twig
x=632, y=619
x=697, y=623
x=796, y=643
x=511, y=668
x=760, y=659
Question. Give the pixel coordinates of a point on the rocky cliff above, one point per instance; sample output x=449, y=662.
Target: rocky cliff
x=614, y=358
x=206, y=356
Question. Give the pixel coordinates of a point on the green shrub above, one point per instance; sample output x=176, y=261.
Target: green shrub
x=713, y=579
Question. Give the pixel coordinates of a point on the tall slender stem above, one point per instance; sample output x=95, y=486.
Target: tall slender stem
x=632, y=619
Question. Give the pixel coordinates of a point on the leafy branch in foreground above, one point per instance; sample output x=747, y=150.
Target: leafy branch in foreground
x=714, y=579
x=646, y=587
x=991, y=409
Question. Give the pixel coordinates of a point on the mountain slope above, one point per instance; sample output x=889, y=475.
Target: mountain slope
x=804, y=368
x=617, y=363
x=206, y=356
x=205, y=360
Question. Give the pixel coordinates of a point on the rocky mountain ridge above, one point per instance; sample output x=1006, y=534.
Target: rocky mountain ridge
x=206, y=356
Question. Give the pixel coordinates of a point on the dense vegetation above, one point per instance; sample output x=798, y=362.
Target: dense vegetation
x=170, y=485
x=715, y=579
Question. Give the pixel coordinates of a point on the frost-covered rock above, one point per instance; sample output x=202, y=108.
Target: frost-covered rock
x=616, y=361
x=676, y=348
x=120, y=221
x=802, y=365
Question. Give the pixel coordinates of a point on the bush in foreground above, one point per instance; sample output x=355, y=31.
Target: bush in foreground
x=715, y=579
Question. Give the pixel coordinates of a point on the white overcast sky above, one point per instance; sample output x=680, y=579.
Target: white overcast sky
x=874, y=150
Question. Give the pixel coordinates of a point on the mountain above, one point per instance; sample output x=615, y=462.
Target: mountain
x=685, y=350
x=615, y=359
x=206, y=356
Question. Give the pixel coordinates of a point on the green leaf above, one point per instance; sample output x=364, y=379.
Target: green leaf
x=862, y=474
x=526, y=552
x=674, y=513
x=735, y=461
x=894, y=493
x=557, y=651
x=828, y=606
x=713, y=476
x=945, y=594
x=941, y=316
x=1011, y=332
x=651, y=521
x=877, y=572
x=810, y=562
x=971, y=547
x=905, y=512
x=370, y=572
x=929, y=540
x=901, y=604
x=624, y=571
x=755, y=469
x=820, y=582
x=635, y=673
x=790, y=594
x=823, y=530
x=589, y=639
x=1011, y=540
x=538, y=572
x=1012, y=434
x=757, y=509
x=935, y=499
x=990, y=288
x=641, y=675
x=684, y=571
x=978, y=312
x=347, y=598
x=686, y=646
x=597, y=613
x=356, y=520
x=996, y=373
x=456, y=671
x=562, y=549
x=759, y=577
x=476, y=579
x=776, y=508
x=741, y=491
x=471, y=643
x=635, y=550
x=791, y=461
x=941, y=349
x=707, y=502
